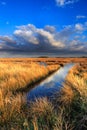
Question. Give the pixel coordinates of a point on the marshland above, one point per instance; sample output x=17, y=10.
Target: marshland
x=65, y=110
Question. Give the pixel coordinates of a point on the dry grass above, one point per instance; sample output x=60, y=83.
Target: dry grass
x=48, y=61
x=41, y=106
x=67, y=111
x=72, y=99
x=42, y=114
x=12, y=113
x=80, y=70
x=14, y=76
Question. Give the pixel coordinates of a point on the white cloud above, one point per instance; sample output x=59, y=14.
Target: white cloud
x=50, y=29
x=65, y=2
x=79, y=27
x=30, y=34
x=80, y=17
x=7, y=39
x=77, y=45
x=60, y=2
x=29, y=38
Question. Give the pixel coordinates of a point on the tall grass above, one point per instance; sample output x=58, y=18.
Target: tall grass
x=72, y=99
x=14, y=76
x=66, y=111
x=11, y=111
x=42, y=114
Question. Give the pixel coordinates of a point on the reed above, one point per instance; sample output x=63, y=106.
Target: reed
x=66, y=111
x=14, y=76
x=72, y=100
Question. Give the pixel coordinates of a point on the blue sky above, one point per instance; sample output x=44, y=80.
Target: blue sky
x=55, y=27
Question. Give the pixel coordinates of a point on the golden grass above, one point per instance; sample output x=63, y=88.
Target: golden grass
x=67, y=111
x=41, y=106
x=11, y=108
x=14, y=76
x=76, y=81
x=71, y=102
x=48, y=61
x=74, y=97
x=42, y=114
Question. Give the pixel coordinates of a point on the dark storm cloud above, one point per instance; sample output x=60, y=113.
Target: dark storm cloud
x=7, y=43
x=39, y=39
x=29, y=39
x=7, y=39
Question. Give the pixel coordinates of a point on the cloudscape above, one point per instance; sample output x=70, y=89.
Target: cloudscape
x=43, y=27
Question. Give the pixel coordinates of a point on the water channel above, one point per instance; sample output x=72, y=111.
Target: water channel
x=50, y=85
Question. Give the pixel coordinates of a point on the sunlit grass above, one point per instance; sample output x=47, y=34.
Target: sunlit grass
x=66, y=111
x=42, y=114
x=72, y=99
x=14, y=76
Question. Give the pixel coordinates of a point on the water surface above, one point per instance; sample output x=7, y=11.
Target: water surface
x=50, y=85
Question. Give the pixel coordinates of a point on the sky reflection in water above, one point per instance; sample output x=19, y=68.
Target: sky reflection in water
x=49, y=86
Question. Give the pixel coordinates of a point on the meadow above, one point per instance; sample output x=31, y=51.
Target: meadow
x=66, y=111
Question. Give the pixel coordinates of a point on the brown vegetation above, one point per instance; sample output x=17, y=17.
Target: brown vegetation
x=72, y=99
x=16, y=75
x=67, y=110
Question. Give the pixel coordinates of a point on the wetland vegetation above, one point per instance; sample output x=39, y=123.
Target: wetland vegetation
x=67, y=110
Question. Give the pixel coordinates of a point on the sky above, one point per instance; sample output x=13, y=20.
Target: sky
x=43, y=27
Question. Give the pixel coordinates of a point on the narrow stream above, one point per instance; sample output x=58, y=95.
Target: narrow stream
x=50, y=85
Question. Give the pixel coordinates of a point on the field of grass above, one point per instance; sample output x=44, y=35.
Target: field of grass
x=16, y=75
x=72, y=99
x=66, y=111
